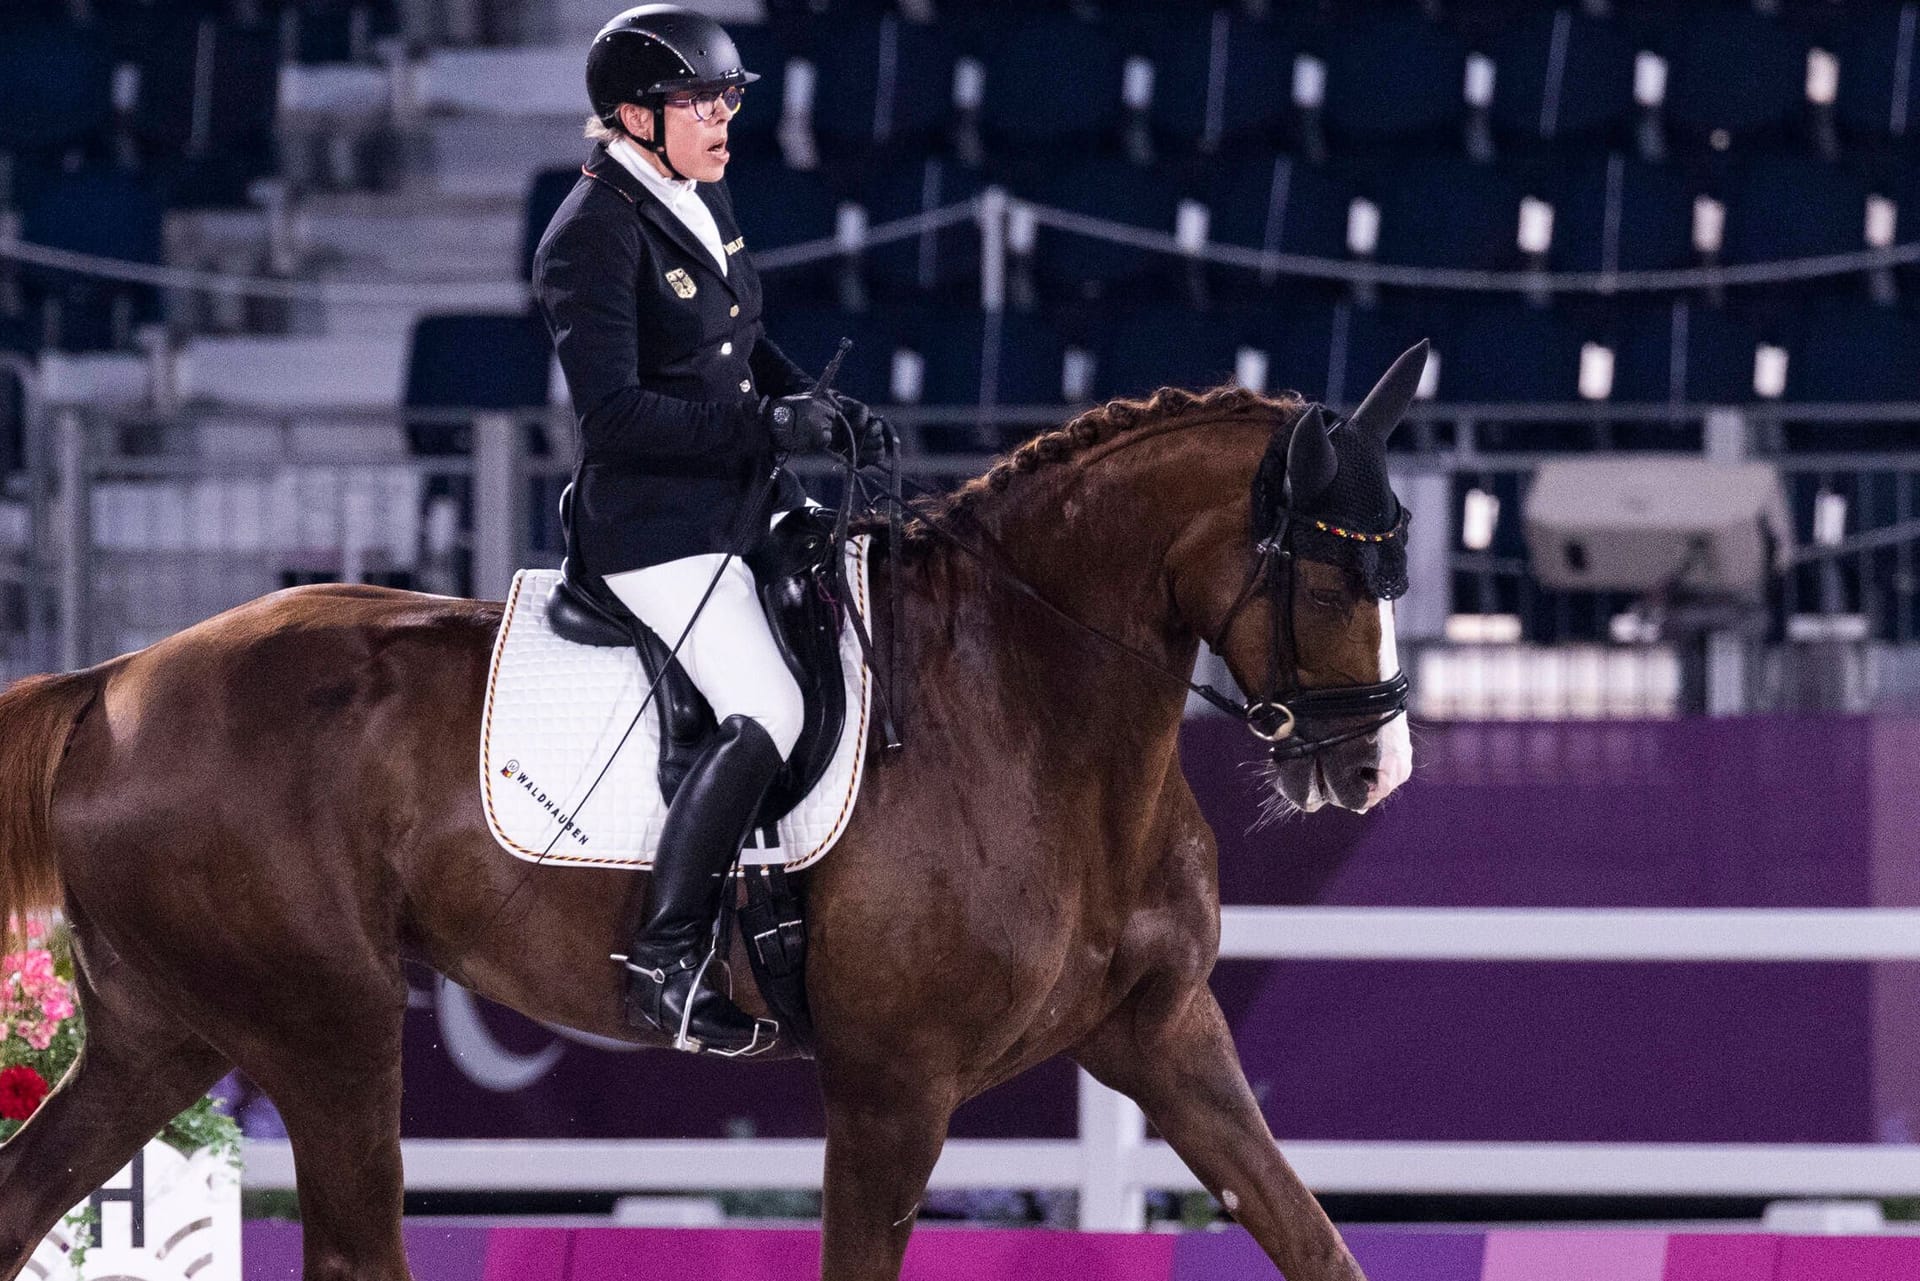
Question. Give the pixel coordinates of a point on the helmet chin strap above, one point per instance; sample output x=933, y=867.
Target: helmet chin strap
x=658, y=143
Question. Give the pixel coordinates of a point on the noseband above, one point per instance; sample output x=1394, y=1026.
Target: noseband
x=1286, y=718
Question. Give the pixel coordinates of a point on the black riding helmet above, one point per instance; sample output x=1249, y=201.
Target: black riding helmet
x=653, y=50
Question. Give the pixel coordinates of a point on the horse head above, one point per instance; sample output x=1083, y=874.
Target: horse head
x=1300, y=601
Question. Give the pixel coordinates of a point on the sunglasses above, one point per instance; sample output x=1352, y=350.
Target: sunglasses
x=706, y=105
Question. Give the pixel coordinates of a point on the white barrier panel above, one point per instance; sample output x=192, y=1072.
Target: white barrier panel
x=1542, y=1169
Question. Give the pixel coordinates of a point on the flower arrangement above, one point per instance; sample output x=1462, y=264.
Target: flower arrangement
x=41, y=1031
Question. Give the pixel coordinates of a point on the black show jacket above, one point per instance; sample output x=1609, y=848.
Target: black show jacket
x=666, y=361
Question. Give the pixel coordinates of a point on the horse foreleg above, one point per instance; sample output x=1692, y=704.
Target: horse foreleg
x=880, y=1150
x=140, y=1068
x=1168, y=1048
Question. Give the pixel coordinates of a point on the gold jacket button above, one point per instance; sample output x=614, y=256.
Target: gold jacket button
x=746, y=384
x=734, y=310
x=726, y=349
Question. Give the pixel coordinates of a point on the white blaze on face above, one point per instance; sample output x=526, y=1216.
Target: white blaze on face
x=1396, y=743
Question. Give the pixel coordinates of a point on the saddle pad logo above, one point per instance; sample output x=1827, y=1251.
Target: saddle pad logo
x=682, y=283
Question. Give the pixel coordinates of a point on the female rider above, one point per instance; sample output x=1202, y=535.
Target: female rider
x=684, y=408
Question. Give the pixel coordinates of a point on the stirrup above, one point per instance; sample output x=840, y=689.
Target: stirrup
x=766, y=1031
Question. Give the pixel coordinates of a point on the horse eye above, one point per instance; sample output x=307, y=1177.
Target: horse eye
x=1325, y=598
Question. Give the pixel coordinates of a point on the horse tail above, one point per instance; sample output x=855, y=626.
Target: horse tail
x=36, y=716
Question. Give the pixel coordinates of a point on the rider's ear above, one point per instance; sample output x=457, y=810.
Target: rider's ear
x=637, y=120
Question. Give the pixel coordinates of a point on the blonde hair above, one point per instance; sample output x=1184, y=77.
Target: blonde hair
x=598, y=130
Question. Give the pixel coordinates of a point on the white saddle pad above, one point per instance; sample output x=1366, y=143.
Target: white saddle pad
x=557, y=713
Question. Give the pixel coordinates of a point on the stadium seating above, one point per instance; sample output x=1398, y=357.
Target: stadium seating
x=467, y=361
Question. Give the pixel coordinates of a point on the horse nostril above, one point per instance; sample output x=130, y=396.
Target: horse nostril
x=1367, y=774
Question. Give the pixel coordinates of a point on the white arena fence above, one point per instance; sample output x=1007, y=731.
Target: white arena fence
x=1112, y=1165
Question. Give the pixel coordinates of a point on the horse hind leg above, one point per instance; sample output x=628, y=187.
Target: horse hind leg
x=139, y=1069
x=1169, y=1049
x=333, y=1071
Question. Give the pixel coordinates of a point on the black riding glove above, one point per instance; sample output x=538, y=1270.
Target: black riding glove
x=869, y=432
x=803, y=423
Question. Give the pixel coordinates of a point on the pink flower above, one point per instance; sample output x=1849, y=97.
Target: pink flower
x=56, y=1007
x=38, y=1035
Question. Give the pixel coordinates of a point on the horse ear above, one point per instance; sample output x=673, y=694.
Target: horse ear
x=1380, y=412
x=1311, y=462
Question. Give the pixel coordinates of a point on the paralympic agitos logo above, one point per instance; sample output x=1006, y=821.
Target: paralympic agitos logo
x=568, y=827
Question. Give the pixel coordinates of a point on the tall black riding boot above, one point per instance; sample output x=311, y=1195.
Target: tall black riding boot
x=675, y=982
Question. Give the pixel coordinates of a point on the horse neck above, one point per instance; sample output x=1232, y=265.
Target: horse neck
x=1091, y=534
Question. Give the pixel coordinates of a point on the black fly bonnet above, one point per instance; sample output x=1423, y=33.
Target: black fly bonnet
x=1321, y=493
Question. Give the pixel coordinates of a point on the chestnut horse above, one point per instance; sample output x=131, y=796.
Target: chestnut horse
x=252, y=824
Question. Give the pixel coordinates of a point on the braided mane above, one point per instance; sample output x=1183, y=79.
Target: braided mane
x=1097, y=426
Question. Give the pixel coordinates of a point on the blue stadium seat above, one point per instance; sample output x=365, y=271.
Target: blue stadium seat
x=1879, y=95
x=1733, y=69
x=1267, y=201
x=1052, y=81
x=1219, y=79
x=1168, y=346
x=1793, y=207
x=1616, y=212
x=776, y=205
x=810, y=333
x=108, y=212
x=1676, y=351
x=1850, y=349
x=336, y=30
x=1304, y=340
x=473, y=361
x=882, y=81
x=1028, y=360
x=763, y=52
x=1439, y=211
x=1394, y=75
x=1069, y=265
x=13, y=441
x=944, y=261
x=56, y=84
x=1560, y=74
x=1500, y=351
x=544, y=195
x=240, y=77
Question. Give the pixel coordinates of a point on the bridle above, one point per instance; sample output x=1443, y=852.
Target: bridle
x=1285, y=718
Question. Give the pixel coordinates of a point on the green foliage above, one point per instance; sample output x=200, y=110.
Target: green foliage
x=80, y=1225
x=202, y=1126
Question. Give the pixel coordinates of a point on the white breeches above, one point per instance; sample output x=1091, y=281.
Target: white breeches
x=730, y=654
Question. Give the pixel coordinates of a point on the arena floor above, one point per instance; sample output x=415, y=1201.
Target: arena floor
x=444, y=1251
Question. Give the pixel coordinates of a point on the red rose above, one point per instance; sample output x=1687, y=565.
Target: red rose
x=21, y=1089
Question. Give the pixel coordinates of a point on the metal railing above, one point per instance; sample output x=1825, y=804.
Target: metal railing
x=139, y=526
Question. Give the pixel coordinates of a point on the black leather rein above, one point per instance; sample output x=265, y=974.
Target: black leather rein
x=1282, y=719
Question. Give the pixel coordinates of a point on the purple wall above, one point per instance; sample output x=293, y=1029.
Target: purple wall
x=1743, y=812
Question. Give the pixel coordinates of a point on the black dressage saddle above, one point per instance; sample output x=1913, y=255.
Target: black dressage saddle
x=794, y=575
